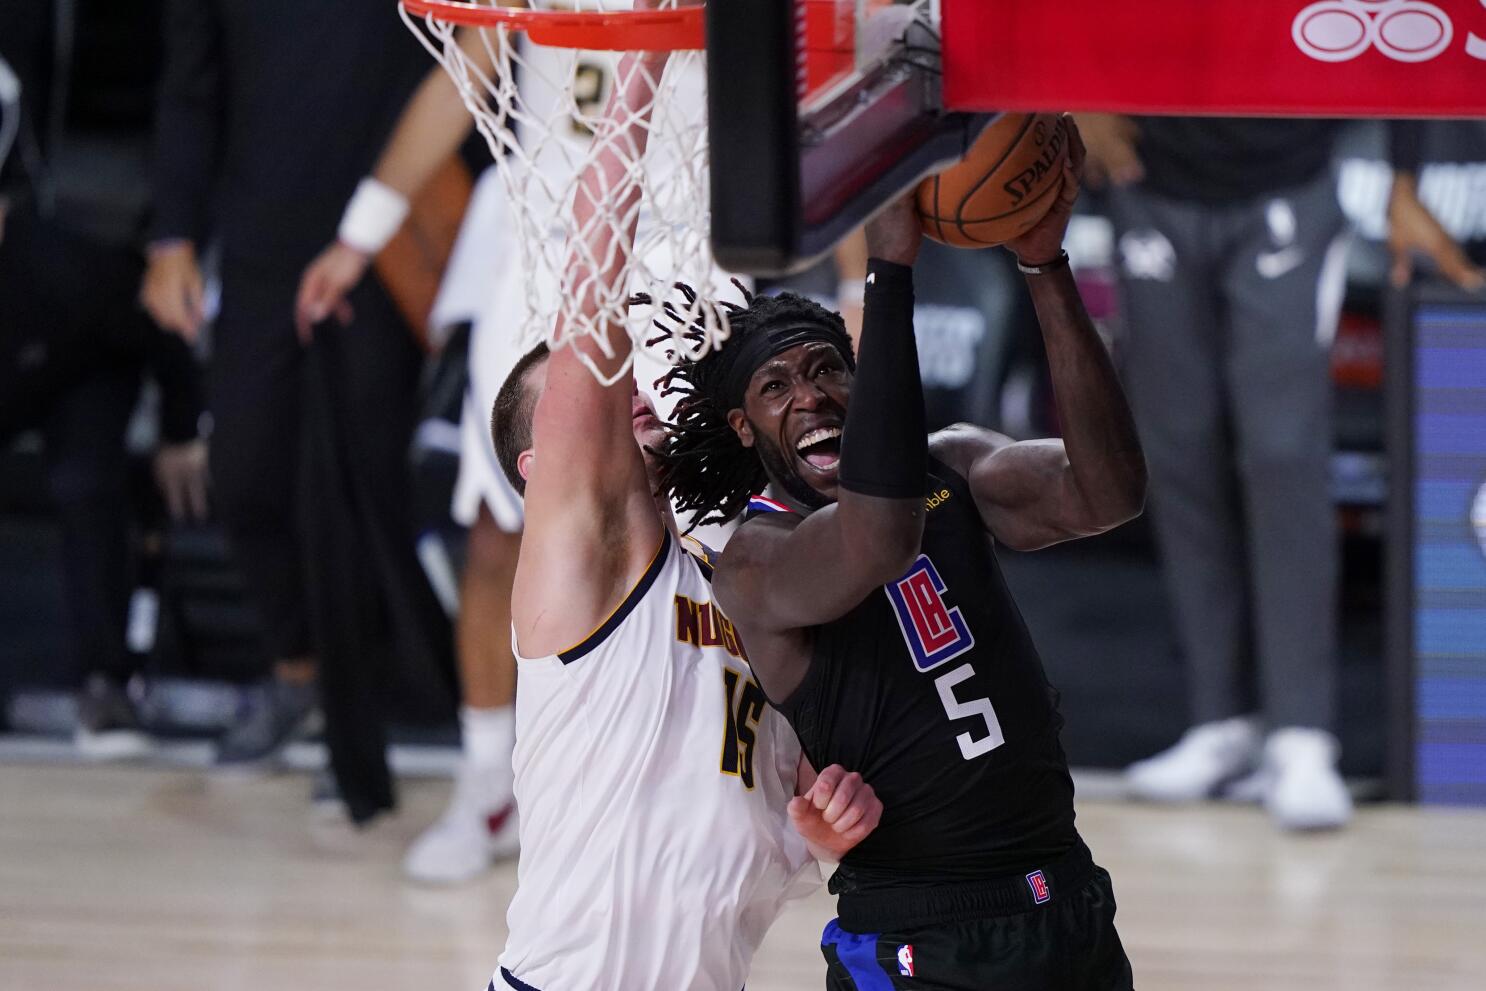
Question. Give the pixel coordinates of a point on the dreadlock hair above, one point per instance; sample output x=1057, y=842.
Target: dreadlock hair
x=703, y=466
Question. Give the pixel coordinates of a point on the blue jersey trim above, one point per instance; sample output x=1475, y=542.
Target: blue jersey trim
x=763, y=504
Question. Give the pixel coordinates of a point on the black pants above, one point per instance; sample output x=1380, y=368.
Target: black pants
x=310, y=475
x=72, y=346
x=1067, y=944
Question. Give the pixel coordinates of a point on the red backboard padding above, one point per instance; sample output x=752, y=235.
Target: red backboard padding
x=1368, y=58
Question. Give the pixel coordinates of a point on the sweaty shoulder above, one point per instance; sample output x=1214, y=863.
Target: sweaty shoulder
x=749, y=545
x=742, y=563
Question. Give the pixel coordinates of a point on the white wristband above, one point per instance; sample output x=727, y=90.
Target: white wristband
x=373, y=216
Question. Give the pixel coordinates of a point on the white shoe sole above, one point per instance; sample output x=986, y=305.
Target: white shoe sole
x=113, y=745
x=1314, y=822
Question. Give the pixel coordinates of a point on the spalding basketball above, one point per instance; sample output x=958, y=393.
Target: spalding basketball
x=1004, y=185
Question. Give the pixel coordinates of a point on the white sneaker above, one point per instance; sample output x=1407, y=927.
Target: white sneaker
x=477, y=829
x=1305, y=791
x=1199, y=764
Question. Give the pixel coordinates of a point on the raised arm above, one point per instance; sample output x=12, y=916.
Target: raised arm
x=431, y=128
x=592, y=524
x=784, y=572
x=1036, y=493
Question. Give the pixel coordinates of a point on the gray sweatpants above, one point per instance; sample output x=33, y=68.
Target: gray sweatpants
x=1230, y=312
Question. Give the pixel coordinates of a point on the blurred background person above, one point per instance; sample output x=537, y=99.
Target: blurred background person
x=1232, y=249
x=268, y=112
x=479, y=826
x=73, y=341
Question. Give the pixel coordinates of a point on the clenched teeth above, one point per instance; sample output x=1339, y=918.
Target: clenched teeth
x=817, y=436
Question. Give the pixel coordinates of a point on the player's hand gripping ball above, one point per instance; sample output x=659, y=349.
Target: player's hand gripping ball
x=1004, y=185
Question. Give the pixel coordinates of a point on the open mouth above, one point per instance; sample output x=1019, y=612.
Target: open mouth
x=820, y=448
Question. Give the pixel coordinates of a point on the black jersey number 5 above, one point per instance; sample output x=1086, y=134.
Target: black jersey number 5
x=970, y=746
x=936, y=633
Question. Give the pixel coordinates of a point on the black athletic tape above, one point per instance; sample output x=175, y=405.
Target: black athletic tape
x=884, y=442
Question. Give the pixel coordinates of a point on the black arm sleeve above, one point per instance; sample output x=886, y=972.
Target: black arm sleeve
x=1405, y=145
x=884, y=444
x=189, y=118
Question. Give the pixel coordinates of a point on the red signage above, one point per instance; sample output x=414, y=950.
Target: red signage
x=1362, y=58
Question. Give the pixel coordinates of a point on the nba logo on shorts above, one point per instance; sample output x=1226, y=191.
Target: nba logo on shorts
x=1038, y=884
x=905, y=960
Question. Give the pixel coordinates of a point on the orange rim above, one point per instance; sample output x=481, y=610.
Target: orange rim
x=628, y=30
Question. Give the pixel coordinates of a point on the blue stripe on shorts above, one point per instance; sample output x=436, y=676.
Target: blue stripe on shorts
x=858, y=954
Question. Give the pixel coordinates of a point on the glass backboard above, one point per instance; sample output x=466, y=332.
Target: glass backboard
x=820, y=111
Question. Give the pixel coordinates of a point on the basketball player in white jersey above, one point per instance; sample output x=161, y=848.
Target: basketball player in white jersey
x=482, y=285
x=655, y=784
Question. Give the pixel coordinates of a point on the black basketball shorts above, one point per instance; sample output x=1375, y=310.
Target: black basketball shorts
x=1067, y=944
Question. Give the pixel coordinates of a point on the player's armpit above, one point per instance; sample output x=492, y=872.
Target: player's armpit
x=581, y=555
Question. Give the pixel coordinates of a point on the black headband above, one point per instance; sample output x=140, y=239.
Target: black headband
x=752, y=350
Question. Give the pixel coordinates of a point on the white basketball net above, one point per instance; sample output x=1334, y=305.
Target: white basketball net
x=542, y=111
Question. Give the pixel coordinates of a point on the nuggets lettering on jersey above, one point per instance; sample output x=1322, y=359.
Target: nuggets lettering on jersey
x=702, y=624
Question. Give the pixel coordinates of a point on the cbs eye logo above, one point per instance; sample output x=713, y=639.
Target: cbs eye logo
x=1403, y=30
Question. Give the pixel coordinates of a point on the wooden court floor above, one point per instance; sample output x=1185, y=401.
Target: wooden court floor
x=170, y=880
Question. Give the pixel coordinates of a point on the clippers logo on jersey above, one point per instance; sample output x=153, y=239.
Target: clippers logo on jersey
x=702, y=624
x=905, y=960
x=1038, y=884
x=935, y=633
x=743, y=708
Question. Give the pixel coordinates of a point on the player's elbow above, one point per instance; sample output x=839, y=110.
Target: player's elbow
x=1122, y=497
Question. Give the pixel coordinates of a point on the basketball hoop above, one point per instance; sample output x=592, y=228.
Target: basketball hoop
x=537, y=80
x=619, y=30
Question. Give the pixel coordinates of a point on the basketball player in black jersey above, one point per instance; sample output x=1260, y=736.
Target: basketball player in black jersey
x=866, y=588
